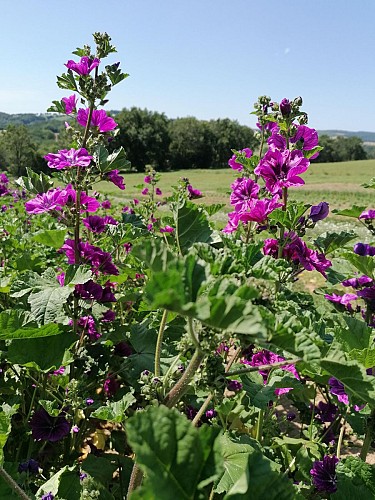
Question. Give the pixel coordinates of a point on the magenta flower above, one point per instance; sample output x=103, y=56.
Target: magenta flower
x=166, y=229
x=324, y=474
x=88, y=254
x=281, y=169
x=86, y=325
x=70, y=103
x=4, y=179
x=367, y=214
x=338, y=389
x=68, y=158
x=106, y=204
x=84, y=66
x=117, y=179
x=233, y=220
x=357, y=282
x=99, y=119
x=258, y=210
x=285, y=107
x=265, y=357
x=158, y=191
x=94, y=223
x=306, y=139
x=147, y=179
x=193, y=193
x=276, y=141
x=237, y=166
x=345, y=300
x=87, y=203
x=243, y=191
x=45, y=202
x=111, y=385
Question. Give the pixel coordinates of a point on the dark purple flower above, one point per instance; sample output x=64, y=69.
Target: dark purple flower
x=99, y=119
x=285, y=107
x=234, y=385
x=117, y=179
x=338, y=389
x=48, y=496
x=290, y=416
x=31, y=466
x=82, y=476
x=357, y=282
x=106, y=204
x=211, y=414
x=111, y=385
x=364, y=249
x=158, y=191
x=325, y=412
x=89, y=290
x=84, y=66
x=281, y=169
x=68, y=158
x=319, y=212
x=190, y=412
x=193, y=193
x=306, y=139
x=123, y=349
x=86, y=325
x=70, y=103
x=47, y=428
x=94, y=223
x=108, y=316
x=324, y=474
x=4, y=179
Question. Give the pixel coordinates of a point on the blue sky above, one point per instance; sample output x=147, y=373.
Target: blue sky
x=204, y=58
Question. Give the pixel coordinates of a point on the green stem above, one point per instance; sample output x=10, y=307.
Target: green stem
x=11, y=482
x=192, y=334
x=202, y=409
x=179, y=389
x=368, y=436
x=341, y=436
x=260, y=425
x=160, y=342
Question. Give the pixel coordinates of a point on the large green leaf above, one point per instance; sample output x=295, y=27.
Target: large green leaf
x=364, y=263
x=289, y=218
x=50, y=237
x=354, y=211
x=65, y=484
x=114, y=411
x=355, y=479
x=5, y=425
x=179, y=459
x=330, y=241
x=191, y=226
x=35, y=183
x=44, y=353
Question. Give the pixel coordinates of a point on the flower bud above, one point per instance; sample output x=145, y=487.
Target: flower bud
x=285, y=107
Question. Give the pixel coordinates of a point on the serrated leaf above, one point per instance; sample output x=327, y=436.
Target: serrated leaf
x=355, y=211
x=64, y=484
x=167, y=445
x=117, y=160
x=114, y=411
x=328, y=241
x=192, y=226
x=50, y=237
x=35, y=183
x=67, y=81
x=289, y=218
x=365, y=264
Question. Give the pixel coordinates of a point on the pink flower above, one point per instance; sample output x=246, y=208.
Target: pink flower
x=193, y=193
x=158, y=191
x=85, y=65
x=281, y=169
x=144, y=191
x=166, y=229
x=117, y=179
x=106, y=204
x=99, y=119
x=45, y=202
x=69, y=158
x=237, y=166
x=147, y=179
x=307, y=138
x=87, y=203
x=367, y=214
x=345, y=299
x=243, y=191
x=70, y=103
x=258, y=210
x=232, y=222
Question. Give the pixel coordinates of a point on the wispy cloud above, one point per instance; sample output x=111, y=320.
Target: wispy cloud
x=286, y=51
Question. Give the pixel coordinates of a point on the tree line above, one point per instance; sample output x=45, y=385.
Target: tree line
x=151, y=138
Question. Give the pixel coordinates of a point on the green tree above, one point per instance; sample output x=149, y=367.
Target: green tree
x=145, y=137
x=17, y=150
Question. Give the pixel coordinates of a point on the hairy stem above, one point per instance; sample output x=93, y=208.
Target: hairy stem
x=135, y=479
x=11, y=482
x=202, y=409
x=160, y=342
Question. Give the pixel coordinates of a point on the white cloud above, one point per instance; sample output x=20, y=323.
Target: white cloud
x=286, y=51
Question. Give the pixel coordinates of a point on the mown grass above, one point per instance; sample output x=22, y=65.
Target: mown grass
x=337, y=183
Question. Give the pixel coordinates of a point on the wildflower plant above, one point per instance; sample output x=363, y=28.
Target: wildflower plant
x=143, y=350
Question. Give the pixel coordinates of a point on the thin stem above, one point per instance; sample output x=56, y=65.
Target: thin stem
x=262, y=367
x=341, y=436
x=11, y=482
x=159, y=342
x=285, y=198
x=192, y=334
x=202, y=409
x=260, y=425
x=368, y=436
x=135, y=479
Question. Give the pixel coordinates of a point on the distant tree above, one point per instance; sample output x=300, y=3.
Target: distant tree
x=341, y=149
x=227, y=135
x=328, y=152
x=17, y=149
x=145, y=137
x=191, y=144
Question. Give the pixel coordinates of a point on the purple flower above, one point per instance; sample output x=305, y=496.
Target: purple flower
x=59, y=371
x=258, y=210
x=48, y=496
x=99, y=119
x=158, y=191
x=89, y=254
x=234, y=385
x=243, y=191
x=47, y=428
x=144, y=191
x=357, y=282
x=106, y=204
x=45, y=202
x=367, y=214
x=31, y=466
x=94, y=223
x=232, y=222
x=89, y=401
x=319, y=212
x=345, y=299
x=82, y=476
x=211, y=414
x=108, y=316
x=193, y=193
x=166, y=229
x=285, y=107
x=364, y=249
x=123, y=349
x=87, y=203
x=75, y=429
x=290, y=416
x=276, y=141
x=338, y=389
x=324, y=474
x=147, y=179
x=84, y=66
x=326, y=412
x=117, y=180
x=86, y=325
x=306, y=139
x=70, y=103
x=68, y=158
x=111, y=385
x=4, y=179
x=237, y=166
x=281, y=169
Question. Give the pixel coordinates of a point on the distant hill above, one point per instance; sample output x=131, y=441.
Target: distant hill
x=365, y=136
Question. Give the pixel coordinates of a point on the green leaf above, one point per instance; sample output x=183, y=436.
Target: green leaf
x=364, y=263
x=35, y=183
x=328, y=242
x=65, y=484
x=117, y=160
x=77, y=275
x=99, y=468
x=289, y=218
x=355, y=479
x=236, y=455
x=29, y=332
x=191, y=226
x=115, y=411
x=5, y=425
x=167, y=446
x=364, y=356
x=47, y=305
x=50, y=237
x=213, y=209
x=370, y=184
x=67, y=81
x=355, y=211
x=311, y=152
x=44, y=353
x=51, y=407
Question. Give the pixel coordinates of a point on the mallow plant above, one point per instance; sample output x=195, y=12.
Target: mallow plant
x=146, y=354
